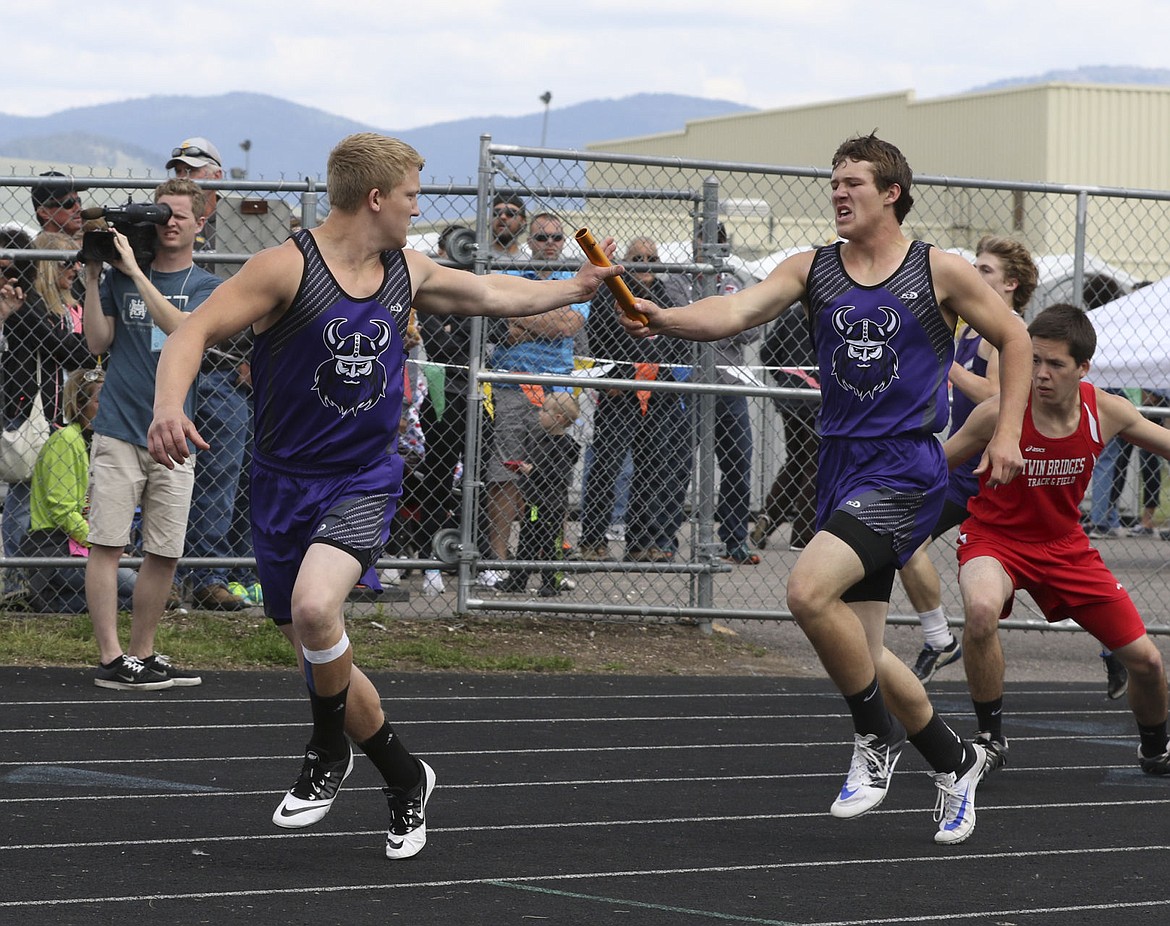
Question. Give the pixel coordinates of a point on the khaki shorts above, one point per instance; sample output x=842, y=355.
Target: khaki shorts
x=123, y=476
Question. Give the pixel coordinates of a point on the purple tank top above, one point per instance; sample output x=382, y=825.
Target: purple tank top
x=327, y=378
x=884, y=350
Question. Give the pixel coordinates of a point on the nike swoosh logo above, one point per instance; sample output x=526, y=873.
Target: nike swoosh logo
x=871, y=695
x=294, y=813
x=394, y=845
x=846, y=793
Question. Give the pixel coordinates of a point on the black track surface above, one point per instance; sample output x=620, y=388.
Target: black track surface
x=567, y=800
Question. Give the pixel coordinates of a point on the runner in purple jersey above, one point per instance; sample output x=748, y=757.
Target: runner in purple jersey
x=1007, y=267
x=883, y=312
x=328, y=309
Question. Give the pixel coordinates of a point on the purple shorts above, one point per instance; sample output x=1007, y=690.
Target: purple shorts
x=350, y=509
x=895, y=486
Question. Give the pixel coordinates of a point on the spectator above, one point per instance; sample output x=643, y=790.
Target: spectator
x=198, y=159
x=42, y=347
x=1150, y=467
x=130, y=315
x=57, y=205
x=531, y=344
x=55, y=281
x=223, y=416
x=60, y=505
x=545, y=475
x=788, y=354
x=733, y=427
x=656, y=427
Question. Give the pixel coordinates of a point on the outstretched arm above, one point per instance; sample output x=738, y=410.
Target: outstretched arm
x=445, y=291
x=718, y=317
x=1120, y=416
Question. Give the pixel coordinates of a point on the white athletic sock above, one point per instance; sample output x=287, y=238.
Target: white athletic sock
x=935, y=629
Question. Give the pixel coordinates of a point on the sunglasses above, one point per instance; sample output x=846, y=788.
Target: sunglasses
x=193, y=151
x=542, y=238
x=643, y=259
x=69, y=263
x=70, y=203
x=506, y=213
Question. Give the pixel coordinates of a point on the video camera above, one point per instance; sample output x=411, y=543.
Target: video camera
x=137, y=221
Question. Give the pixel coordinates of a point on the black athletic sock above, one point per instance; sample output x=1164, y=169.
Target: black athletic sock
x=329, y=724
x=941, y=747
x=1154, y=739
x=989, y=714
x=868, y=708
x=398, y=767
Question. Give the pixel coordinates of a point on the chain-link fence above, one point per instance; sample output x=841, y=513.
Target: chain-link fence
x=663, y=480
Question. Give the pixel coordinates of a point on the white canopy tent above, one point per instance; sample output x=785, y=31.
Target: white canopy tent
x=1133, y=340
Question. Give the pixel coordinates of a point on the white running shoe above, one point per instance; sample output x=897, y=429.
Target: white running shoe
x=490, y=578
x=869, y=773
x=312, y=796
x=408, y=824
x=433, y=583
x=955, y=808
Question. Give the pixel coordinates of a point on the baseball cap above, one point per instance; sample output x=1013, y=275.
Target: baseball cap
x=44, y=193
x=195, y=152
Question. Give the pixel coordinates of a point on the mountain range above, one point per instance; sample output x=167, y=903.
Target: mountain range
x=290, y=141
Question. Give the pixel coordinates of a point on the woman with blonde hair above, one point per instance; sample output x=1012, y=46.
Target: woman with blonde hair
x=54, y=280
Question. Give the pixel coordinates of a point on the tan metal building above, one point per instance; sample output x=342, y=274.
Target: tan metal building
x=1095, y=134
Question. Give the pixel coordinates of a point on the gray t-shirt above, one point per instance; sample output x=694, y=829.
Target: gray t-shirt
x=127, y=403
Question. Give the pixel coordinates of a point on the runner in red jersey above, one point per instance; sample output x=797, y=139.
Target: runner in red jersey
x=1027, y=534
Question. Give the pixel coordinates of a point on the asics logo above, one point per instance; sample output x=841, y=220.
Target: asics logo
x=853, y=503
x=1031, y=449
x=909, y=294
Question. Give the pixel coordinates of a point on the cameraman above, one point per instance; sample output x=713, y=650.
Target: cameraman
x=128, y=314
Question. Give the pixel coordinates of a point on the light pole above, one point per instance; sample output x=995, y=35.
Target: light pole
x=246, y=144
x=545, y=98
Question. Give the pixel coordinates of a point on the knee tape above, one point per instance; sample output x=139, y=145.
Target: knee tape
x=319, y=656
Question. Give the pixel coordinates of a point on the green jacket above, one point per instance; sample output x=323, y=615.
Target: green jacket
x=60, y=482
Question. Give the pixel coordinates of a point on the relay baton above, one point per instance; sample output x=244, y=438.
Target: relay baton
x=617, y=286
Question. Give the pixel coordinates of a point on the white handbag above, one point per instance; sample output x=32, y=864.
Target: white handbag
x=20, y=445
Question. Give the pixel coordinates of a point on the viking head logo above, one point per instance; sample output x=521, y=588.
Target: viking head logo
x=353, y=379
x=865, y=363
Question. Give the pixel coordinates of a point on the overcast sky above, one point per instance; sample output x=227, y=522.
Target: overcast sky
x=399, y=65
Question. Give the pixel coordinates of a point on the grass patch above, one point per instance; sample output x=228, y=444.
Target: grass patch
x=248, y=640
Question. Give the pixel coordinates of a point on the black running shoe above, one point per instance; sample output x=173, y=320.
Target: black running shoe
x=312, y=796
x=1155, y=765
x=129, y=673
x=181, y=677
x=930, y=660
x=997, y=752
x=408, y=824
x=1117, y=675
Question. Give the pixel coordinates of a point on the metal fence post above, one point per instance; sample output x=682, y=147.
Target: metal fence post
x=705, y=549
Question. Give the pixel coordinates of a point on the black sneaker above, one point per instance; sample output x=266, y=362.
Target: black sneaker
x=930, y=660
x=312, y=796
x=997, y=752
x=129, y=673
x=408, y=825
x=1155, y=765
x=1118, y=677
x=181, y=677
